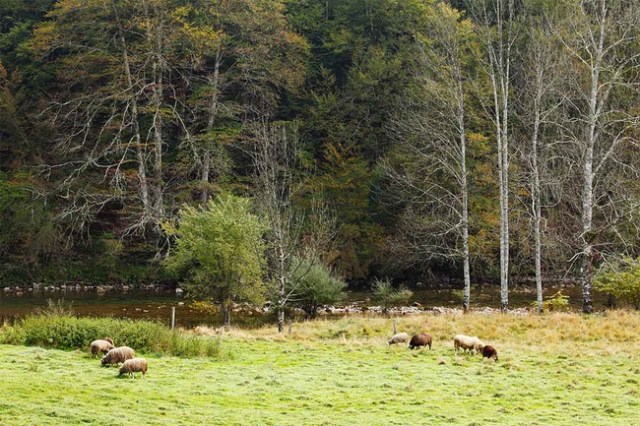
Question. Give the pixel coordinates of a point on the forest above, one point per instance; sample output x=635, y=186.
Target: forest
x=418, y=141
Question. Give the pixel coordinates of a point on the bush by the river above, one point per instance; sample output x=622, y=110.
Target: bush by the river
x=66, y=331
x=385, y=294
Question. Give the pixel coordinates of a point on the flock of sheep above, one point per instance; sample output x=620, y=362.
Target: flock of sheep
x=122, y=354
x=460, y=341
x=131, y=364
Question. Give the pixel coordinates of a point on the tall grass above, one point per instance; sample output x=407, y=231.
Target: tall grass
x=65, y=331
x=549, y=332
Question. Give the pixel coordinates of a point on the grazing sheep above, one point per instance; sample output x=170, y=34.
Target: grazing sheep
x=102, y=345
x=489, y=352
x=134, y=365
x=118, y=355
x=398, y=338
x=467, y=343
x=420, y=340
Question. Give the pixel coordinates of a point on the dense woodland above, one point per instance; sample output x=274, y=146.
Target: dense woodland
x=419, y=140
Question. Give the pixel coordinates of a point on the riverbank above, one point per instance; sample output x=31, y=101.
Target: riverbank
x=155, y=304
x=555, y=369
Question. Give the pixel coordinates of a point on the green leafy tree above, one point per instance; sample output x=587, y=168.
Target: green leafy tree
x=314, y=286
x=243, y=58
x=219, y=248
x=621, y=280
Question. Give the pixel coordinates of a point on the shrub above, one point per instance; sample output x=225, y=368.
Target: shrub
x=557, y=303
x=387, y=296
x=314, y=285
x=69, y=332
x=57, y=308
x=621, y=279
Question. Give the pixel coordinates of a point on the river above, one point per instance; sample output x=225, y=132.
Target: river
x=156, y=304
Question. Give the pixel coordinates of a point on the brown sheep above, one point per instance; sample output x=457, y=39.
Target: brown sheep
x=489, y=352
x=118, y=355
x=134, y=365
x=102, y=345
x=420, y=340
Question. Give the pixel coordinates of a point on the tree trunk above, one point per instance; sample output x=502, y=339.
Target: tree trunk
x=498, y=44
x=503, y=177
x=465, y=251
x=503, y=63
x=214, y=81
x=587, y=249
x=587, y=185
x=206, y=170
x=504, y=217
x=280, y=319
x=158, y=76
x=226, y=314
x=465, y=195
x=536, y=230
x=140, y=149
x=535, y=190
x=282, y=296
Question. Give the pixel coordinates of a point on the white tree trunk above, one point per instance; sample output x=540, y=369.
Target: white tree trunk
x=158, y=81
x=535, y=197
x=498, y=42
x=501, y=114
x=588, y=174
x=504, y=206
x=465, y=196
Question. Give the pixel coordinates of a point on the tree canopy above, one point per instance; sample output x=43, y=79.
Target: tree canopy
x=219, y=248
x=428, y=128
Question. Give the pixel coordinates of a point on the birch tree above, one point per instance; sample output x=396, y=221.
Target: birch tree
x=275, y=159
x=495, y=19
x=295, y=243
x=538, y=95
x=601, y=120
x=432, y=131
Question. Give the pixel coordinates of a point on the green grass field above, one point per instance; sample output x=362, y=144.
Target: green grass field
x=342, y=373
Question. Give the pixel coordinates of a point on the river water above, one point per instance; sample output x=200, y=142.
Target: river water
x=156, y=304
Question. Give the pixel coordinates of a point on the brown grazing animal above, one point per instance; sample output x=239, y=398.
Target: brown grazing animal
x=102, y=345
x=135, y=365
x=420, y=340
x=489, y=352
x=118, y=355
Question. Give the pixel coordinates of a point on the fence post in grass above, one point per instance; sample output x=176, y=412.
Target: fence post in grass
x=395, y=327
x=290, y=326
x=173, y=317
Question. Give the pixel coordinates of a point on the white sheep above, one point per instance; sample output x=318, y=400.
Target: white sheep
x=467, y=343
x=398, y=338
x=134, y=365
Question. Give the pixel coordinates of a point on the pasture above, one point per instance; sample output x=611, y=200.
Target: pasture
x=560, y=369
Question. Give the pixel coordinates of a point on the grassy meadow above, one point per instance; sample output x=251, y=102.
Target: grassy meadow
x=560, y=369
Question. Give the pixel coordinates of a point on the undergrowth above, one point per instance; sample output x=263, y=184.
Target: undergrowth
x=65, y=331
